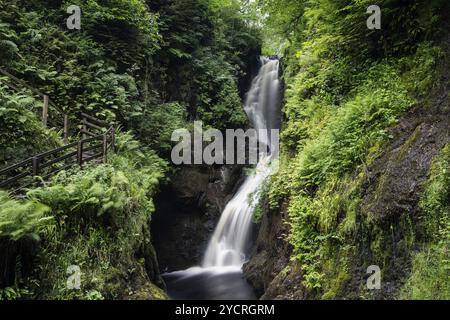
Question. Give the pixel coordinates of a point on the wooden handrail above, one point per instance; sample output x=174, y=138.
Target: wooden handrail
x=35, y=165
x=45, y=114
x=93, y=119
x=14, y=166
x=59, y=159
x=9, y=181
x=91, y=125
x=87, y=132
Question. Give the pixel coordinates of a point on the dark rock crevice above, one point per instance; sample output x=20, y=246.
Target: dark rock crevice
x=271, y=252
x=187, y=211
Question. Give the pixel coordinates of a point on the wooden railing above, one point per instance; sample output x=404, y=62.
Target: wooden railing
x=51, y=162
x=90, y=126
x=97, y=138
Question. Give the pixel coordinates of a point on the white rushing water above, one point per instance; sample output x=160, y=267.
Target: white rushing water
x=230, y=239
x=220, y=274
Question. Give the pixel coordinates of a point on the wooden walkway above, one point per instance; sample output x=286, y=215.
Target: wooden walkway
x=98, y=139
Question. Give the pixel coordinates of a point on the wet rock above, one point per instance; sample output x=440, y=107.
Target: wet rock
x=394, y=183
x=271, y=251
x=187, y=211
x=286, y=285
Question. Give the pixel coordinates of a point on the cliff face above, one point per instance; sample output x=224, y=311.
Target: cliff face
x=187, y=211
x=393, y=188
x=271, y=252
x=390, y=217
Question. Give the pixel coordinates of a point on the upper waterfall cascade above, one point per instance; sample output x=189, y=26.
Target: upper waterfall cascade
x=229, y=242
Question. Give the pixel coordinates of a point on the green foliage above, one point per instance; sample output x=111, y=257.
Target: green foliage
x=102, y=212
x=345, y=86
x=435, y=201
x=148, y=66
x=281, y=17
x=320, y=225
x=156, y=123
x=19, y=219
x=13, y=293
x=21, y=132
x=355, y=128
x=430, y=267
x=404, y=25
x=227, y=113
x=202, y=62
x=126, y=29
x=429, y=279
x=105, y=189
x=138, y=62
x=96, y=218
x=94, y=68
x=332, y=140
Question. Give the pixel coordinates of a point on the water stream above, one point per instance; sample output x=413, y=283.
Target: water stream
x=220, y=274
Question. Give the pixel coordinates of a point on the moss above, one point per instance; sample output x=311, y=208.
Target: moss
x=337, y=271
x=157, y=293
x=258, y=214
x=374, y=152
x=348, y=225
x=406, y=225
x=147, y=291
x=407, y=145
x=337, y=124
x=429, y=278
x=435, y=201
x=379, y=248
x=286, y=270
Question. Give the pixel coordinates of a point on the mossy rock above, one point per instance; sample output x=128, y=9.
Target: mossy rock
x=148, y=292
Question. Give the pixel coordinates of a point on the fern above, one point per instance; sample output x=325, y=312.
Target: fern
x=22, y=218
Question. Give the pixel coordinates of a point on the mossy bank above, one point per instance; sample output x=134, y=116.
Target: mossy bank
x=364, y=175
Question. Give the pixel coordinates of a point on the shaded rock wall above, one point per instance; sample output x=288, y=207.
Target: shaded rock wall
x=271, y=251
x=390, y=195
x=187, y=211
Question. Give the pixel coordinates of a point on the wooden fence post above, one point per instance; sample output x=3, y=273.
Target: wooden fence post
x=66, y=129
x=113, y=139
x=105, y=147
x=83, y=127
x=36, y=165
x=80, y=153
x=45, y=111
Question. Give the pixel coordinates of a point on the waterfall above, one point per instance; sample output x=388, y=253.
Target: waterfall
x=227, y=247
x=220, y=274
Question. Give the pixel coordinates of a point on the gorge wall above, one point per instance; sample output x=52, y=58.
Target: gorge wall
x=187, y=211
x=391, y=219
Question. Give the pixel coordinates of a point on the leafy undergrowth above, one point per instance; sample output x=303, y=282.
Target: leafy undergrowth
x=142, y=64
x=339, y=104
x=21, y=131
x=334, y=146
x=430, y=277
x=21, y=218
x=96, y=219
